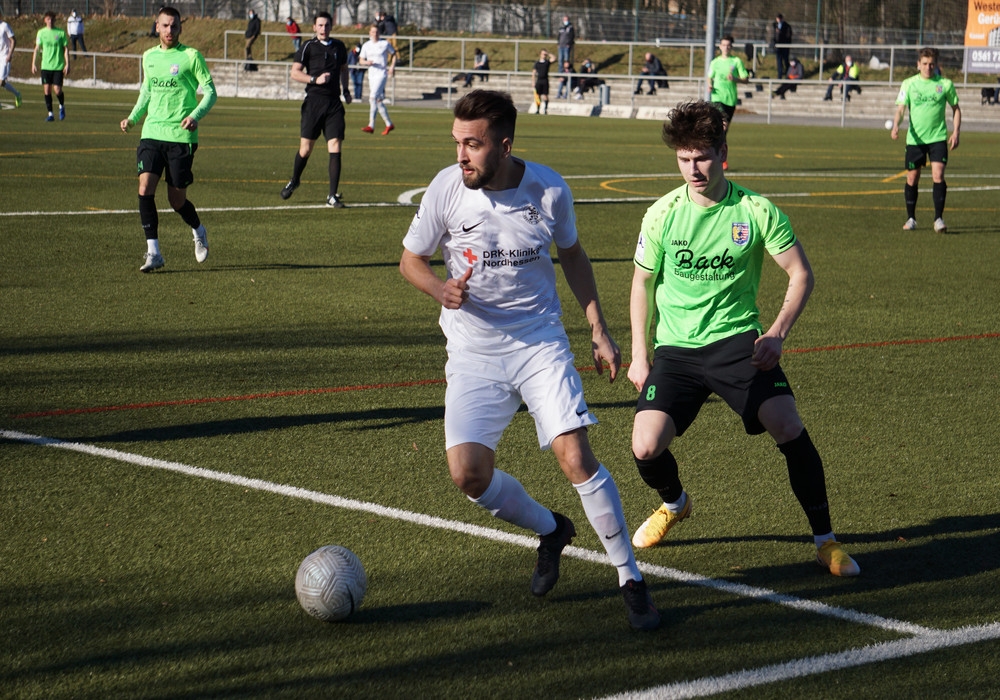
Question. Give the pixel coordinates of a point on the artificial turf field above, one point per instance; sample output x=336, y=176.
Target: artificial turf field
x=174, y=444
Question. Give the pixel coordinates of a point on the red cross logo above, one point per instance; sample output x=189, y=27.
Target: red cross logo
x=470, y=256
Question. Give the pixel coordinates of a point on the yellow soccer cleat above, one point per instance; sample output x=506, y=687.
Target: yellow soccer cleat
x=658, y=525
x=833, y=557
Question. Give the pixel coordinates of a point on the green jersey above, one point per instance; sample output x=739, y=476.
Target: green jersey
x=53, y=43
x=706, y=262
x=169, y=93
x=926, y=100
x=724, y=72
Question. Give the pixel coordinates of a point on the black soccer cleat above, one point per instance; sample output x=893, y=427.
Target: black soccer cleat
x=287, y=190
x=550, y=548
x=642, y=614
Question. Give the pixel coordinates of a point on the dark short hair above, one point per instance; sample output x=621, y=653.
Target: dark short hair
x=729, y=38
x=171, y=11
x=496, y=107
x=694, y=126
x=51, y=15
x=324, y=15
x=929, y=52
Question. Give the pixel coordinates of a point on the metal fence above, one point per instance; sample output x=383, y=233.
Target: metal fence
x=875, y=22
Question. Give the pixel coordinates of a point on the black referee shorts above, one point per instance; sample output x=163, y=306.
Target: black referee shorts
x=322, y=114
x=682, y=379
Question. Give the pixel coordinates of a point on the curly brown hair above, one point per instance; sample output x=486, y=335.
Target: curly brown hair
x=694, y=126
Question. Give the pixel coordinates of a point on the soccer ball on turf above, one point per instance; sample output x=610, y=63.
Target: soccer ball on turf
x=331, y=583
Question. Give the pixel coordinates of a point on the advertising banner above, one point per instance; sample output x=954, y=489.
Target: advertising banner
x=982, y=37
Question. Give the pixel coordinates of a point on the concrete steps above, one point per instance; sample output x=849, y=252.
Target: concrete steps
x=436, y=88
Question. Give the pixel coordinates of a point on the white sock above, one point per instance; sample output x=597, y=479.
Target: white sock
x=506, y=499
x=821, y=539
x=678, y=505
x=153, y=245
x=372, y=110
x=384, y=113
x=603, y=507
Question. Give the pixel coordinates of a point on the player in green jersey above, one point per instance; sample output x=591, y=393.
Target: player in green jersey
x=54, y=46
x=724, y=73
x=697, y=271
x=172, y=74
x=926, y=95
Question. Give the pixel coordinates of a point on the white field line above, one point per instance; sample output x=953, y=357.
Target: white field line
x=811, y=665
x=924, y=639
x=735, y=589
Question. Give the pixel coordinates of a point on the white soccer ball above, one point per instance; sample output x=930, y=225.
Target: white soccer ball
x=888, y=124
x=331, y=583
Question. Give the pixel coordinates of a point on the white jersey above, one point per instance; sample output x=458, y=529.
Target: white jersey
x=378, y=53
x=6, y=41
x=506, y=237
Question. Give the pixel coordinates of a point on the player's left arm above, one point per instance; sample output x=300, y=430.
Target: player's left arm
x=345, y=83
x=391, y=63
x=767, y=350
x=956, y=112
x=66, y=58
x=580, y=276
x=208, y=94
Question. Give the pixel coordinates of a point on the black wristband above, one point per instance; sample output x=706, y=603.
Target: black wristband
x=312, y=79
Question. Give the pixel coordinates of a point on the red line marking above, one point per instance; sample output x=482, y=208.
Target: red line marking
x=429, y=382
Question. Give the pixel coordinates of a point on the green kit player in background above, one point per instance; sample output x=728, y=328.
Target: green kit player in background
x=172, y=74
x=926, y=95
x=724, y=73
x=54, y=45
x=697, y=272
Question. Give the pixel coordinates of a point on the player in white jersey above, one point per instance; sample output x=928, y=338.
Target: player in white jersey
x=495, y=217
x=7, y=43
x=380, y=57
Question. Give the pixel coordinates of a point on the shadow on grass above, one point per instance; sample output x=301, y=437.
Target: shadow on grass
x=379, y=418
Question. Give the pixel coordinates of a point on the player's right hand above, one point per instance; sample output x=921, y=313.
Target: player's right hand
x=125, y=125
x=638, y=372
x=456, y=290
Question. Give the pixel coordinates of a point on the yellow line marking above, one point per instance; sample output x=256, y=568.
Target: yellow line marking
x=898, y=175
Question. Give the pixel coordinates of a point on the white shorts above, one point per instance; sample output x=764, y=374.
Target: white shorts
x=376, y=85
x=485, y=391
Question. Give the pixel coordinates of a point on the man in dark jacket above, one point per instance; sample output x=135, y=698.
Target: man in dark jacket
x=782, y=35
x=251, y=34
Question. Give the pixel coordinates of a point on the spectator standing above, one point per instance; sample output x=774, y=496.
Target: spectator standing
x=251, y=34
x=707, y=336
x=321, y=64
x=925, y=95
x=567, y=84
x=846, y=72
x=387, y=27
x=74, y=25
x=540, y=80
x=292, y=27
x=357, y=74
x=567, y=40
x=495, y=218
x=170, y=132
x=652, y=66
x=7, y=43
x=795, y=73
x=781, y=34
x=380, y=58
x=54, y=45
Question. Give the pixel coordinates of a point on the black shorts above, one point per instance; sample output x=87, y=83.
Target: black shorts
x=918, y=156
x=727, y=111
x=153, y=156
x=542, y=88
x=322, y=114
x=682, y=379
x=52, y=77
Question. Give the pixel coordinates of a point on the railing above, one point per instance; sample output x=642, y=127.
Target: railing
x=526, y=50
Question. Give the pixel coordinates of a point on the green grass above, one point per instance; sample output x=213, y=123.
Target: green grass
x=120, y=580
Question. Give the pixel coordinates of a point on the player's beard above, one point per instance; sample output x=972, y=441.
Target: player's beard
x=481, y=178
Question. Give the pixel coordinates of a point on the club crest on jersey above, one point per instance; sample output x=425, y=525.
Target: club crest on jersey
x=741, y=233
x=175, y=69
x=531, y=214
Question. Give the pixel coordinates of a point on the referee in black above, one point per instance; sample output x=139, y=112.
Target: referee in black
x=319, y=63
